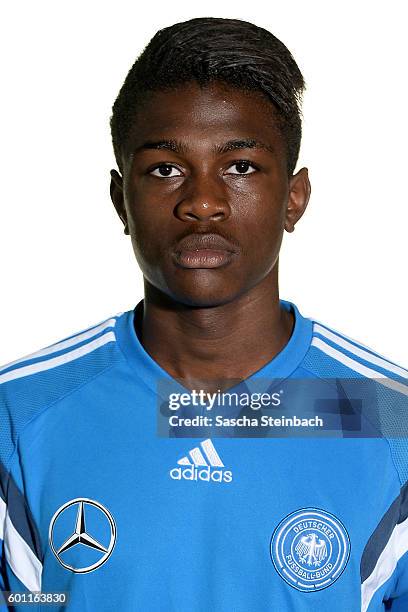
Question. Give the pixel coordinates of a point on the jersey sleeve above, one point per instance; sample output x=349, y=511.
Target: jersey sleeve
x=384, y=563
x=29, y=386
x=399, y=600
x=3, y=508
x=21, y=561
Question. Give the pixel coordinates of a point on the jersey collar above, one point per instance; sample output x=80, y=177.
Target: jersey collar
x=280, y=367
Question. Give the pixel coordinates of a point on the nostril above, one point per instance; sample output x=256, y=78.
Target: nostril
x=195, y=208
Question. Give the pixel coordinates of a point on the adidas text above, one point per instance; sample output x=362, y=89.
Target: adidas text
x=201, y=473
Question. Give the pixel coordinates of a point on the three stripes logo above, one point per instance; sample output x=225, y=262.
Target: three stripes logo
x=202, y=463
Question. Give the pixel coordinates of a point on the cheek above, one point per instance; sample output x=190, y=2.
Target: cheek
x=262, y=225
x=142, y=232
x=151, y=229
x=145, y=225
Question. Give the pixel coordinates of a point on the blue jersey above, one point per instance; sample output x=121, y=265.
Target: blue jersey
x=114, y=496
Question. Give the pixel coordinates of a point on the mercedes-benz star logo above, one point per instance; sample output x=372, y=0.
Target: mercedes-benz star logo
x=80, y=535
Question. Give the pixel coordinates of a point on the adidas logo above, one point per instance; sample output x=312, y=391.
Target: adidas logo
x=203, y=463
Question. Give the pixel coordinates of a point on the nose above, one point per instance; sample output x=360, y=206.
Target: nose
x=203, y=199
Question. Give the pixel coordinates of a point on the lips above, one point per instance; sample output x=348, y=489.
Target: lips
x=204, y=251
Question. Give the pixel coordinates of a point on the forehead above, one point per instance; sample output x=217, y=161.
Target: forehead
x=192, y=112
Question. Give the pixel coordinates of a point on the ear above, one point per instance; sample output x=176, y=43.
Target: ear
x=117, y=197
x=299, y=194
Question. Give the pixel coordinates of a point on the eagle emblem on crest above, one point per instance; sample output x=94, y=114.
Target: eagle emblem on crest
x=311, y=550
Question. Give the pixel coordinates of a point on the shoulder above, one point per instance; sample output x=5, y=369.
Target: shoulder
x=31, y=383
x=333, y=353
x=374, y=380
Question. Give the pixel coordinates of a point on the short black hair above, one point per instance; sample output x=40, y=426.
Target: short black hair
x=208, y=49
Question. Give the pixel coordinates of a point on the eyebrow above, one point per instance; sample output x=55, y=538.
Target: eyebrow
x=178, y=147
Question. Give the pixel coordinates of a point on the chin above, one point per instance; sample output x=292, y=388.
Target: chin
x=204, y=288
x=198, y=288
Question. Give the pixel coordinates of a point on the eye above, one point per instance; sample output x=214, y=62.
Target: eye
x=242, y=167
x=165, y=171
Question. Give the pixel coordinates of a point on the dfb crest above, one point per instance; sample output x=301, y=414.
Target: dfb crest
x=310, y=549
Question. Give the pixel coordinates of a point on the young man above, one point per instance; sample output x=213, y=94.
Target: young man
x=127, y=481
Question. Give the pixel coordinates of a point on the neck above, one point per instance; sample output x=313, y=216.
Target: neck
x=197, y=344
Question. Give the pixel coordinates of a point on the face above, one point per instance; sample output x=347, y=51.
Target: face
x=205, y=194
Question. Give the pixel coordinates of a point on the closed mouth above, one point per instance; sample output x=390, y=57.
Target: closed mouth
x=204, y=251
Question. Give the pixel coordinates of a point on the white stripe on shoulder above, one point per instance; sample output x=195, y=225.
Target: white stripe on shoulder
x=352, y=348
x=340, y=333
x=359, y=367
x=48, y=364
x=60, y=346
x=24, y=563
x=395, y=548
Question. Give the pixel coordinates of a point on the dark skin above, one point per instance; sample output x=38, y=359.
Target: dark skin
x=220, y=319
